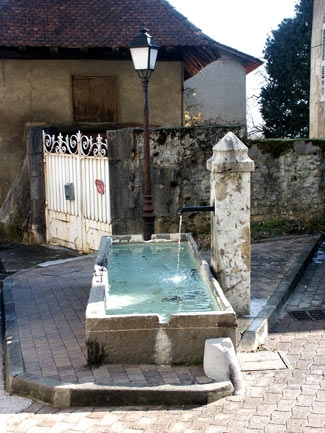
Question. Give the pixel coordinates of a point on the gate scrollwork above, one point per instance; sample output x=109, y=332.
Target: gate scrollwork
x=76, y=144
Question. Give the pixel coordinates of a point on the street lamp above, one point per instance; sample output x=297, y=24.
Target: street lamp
x=144, y=52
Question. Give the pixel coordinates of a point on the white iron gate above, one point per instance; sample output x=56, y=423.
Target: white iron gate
x=77, y=190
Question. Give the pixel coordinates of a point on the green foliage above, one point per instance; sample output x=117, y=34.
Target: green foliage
x=267, y=230
x=284, y=99
x=287, y=227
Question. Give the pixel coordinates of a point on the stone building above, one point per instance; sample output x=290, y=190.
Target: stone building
x=317, y=74
x=217, y=93
x=69, y=66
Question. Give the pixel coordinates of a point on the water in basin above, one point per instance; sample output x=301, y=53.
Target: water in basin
x=149, y=279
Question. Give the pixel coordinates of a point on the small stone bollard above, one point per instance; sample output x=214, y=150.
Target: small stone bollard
x=220, y=363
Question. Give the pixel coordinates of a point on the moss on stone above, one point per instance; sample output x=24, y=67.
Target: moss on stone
x=11, y=231
x=162, y=136
x=278, y=146
x=274, y=147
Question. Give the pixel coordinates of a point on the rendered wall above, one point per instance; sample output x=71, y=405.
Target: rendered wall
x=40, y=92
x=218, y=93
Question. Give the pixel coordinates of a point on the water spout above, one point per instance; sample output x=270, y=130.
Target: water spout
x=196, y=209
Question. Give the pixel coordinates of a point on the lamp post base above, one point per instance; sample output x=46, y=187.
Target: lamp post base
x=148, y=226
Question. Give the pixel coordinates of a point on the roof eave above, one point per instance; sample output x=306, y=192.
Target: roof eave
x=194, y=58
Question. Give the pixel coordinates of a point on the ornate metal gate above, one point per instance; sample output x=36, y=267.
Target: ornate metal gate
x=77, y=190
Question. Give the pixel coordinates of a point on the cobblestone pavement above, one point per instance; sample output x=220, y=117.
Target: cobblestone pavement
x=288, y=400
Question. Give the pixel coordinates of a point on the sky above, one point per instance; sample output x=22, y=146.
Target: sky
x=241, y=24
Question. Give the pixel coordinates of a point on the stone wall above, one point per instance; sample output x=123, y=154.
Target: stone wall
x=179, y=176
x=288, y=182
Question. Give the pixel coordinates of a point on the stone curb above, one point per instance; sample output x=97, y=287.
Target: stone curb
x=14, y=364
x=64, y=395
x=257, y=332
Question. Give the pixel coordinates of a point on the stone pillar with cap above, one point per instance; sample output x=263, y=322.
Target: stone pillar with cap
x=230, y=175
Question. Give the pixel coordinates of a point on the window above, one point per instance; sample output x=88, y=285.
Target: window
x=95, y=99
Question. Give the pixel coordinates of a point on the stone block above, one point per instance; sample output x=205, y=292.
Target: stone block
x=220, y=363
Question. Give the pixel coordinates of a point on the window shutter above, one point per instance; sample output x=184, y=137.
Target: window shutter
x=95, y=99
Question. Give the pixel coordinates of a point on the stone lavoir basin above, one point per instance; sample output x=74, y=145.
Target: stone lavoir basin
x=154, y=302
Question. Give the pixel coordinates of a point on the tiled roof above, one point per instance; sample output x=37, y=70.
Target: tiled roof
x=84, y=24
x=92, y=23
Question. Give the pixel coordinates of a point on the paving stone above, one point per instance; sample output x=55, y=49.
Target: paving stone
x=261, y=360
x=290, y=400
x=274, y=428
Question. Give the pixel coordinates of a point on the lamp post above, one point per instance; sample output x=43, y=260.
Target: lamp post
x=144, y=52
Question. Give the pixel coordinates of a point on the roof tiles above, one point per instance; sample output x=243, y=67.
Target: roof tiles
x=93, y=23
x=107, y=24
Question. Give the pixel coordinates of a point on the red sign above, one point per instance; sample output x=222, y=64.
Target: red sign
x=100, y=186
